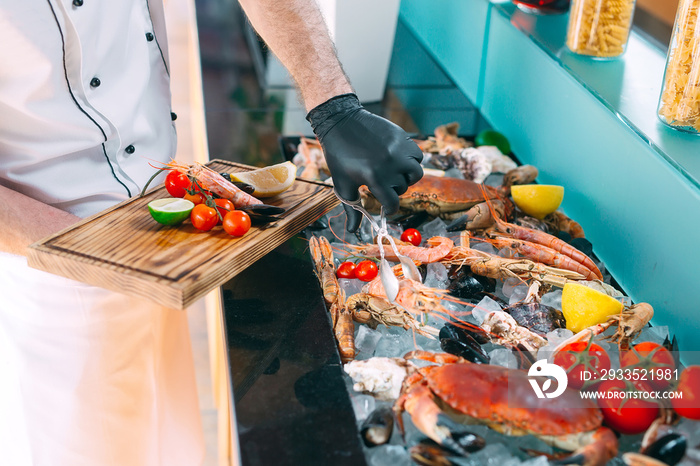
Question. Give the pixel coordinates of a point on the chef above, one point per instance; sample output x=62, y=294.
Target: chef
x=89, y=376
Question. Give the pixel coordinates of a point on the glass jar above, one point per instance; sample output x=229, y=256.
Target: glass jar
x=679, y=103
x=599, y=28
x=543, y=7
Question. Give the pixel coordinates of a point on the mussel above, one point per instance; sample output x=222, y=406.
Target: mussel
x=377, y=428
x=412, y=220
x=262, y=209
x=537, y=317
x=532, y=223
x=262, y=213
x=464, y=284
x=460, y=342
x=320, y=224
x=672, y=346
x=428, y=453
x=583, y=245
x=669, y=449
x=245, y=187
x=458, y=224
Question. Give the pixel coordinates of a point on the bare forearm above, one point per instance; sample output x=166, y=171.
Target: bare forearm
x=24, y=220
x=295, y=31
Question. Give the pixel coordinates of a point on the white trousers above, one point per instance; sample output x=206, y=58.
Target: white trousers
x=91, y=377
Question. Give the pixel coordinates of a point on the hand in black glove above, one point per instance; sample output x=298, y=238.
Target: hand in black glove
x=363, y=148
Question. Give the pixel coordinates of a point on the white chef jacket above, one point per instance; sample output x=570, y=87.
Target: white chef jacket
x=87, y=376
x=84, y=100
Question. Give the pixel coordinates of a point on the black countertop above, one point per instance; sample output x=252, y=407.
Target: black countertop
x=291, y=403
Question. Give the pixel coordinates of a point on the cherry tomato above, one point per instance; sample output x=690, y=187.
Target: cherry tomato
x=346, y=270
x=236, y=223
x=579, y=357
x=196, y=198
x=203, y=217
x=366, y=270
x=224, y=206
x=653, y=360
x=411, y=235
x=689, y=388
x=177, y=183
x=626, y=415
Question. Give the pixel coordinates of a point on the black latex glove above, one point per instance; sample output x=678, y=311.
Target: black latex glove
x=363, y=148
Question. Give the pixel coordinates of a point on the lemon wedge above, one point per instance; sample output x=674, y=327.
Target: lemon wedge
x=268, y=181
x=171, y=210
x=537, y=200
x=583, y=306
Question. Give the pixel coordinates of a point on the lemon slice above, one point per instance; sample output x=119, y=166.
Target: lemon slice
x=268, y=181
x=537, y=200
x=171, y=210
x=583, y=306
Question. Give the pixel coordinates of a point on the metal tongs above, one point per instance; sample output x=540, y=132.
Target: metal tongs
x=389, y=280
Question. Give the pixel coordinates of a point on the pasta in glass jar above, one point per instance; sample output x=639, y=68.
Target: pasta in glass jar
x=599, y=28
x=679, y=104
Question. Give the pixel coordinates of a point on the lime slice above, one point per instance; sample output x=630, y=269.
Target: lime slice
x=268, y=181
x=537, y=200
x=171, y=210
x=583, y=306
x=490, y=137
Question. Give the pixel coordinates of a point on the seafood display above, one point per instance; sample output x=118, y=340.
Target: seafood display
x=457, y=354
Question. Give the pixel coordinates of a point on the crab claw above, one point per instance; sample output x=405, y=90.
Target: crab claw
x=426, y=416
x=598, y=447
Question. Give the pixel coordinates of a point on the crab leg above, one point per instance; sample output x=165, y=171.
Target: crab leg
x=417, y=400
x=596, y=448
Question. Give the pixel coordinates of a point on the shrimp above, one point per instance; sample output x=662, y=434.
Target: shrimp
x=211, y=181
x=559, y=222
x=418, y=299
x=543, y=254
x=322, y=256
x=344, y=329
x=311, y=169
x=439, y=248
x=545, y=239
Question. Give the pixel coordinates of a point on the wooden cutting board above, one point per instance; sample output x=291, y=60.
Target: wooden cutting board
x=123, y=249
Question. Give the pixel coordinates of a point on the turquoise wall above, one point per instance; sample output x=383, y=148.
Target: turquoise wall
x=640, y=213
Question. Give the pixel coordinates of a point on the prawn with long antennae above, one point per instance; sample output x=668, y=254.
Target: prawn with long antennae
x=209, y=180
x=541, y=238
x=543, y=254
x=439, y=248
x=420, y=300
x=501, y=268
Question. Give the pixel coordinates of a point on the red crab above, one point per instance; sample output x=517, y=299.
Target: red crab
x=504, y=400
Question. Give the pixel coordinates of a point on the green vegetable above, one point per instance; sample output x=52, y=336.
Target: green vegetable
x=171, y=210
x=490, y=137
